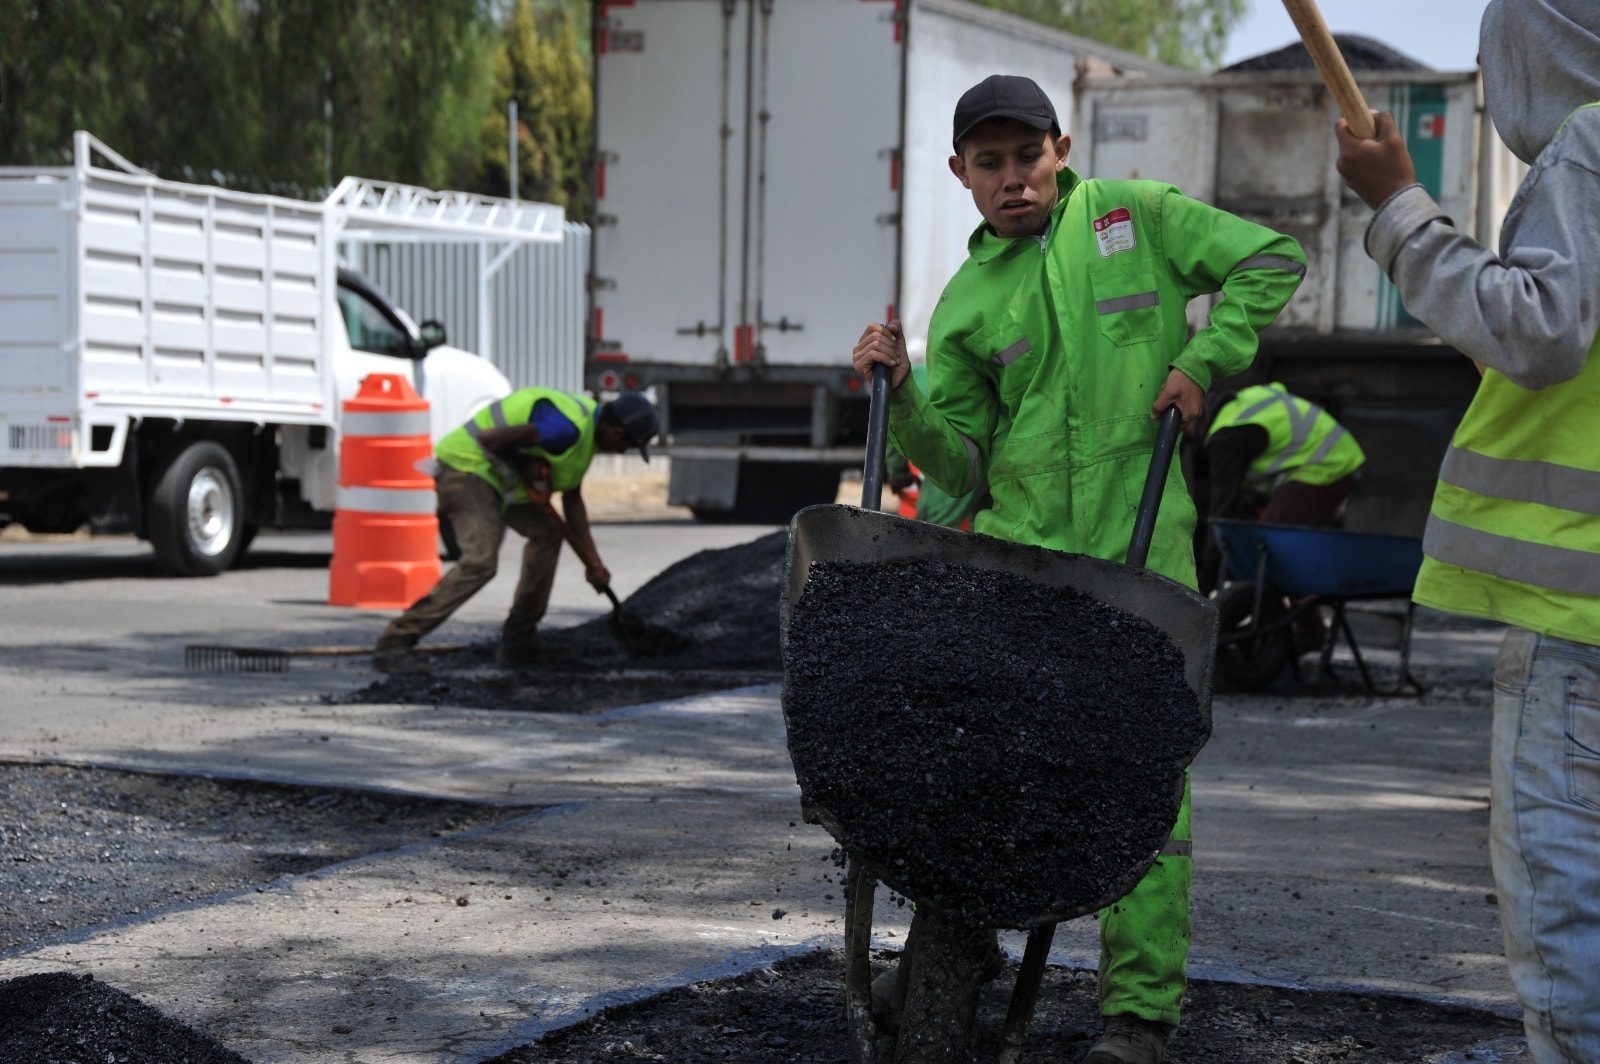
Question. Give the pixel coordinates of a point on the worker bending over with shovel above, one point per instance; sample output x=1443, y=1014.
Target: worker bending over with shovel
x=1514, y=533
x=1049, y=355
x=500, y=469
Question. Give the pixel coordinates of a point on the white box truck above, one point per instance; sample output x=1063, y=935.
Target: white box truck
x=173, y=356
x=770, y=176
x=1261, y=145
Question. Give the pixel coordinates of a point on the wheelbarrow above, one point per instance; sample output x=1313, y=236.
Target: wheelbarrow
x=863, y=535
x=1287, y=572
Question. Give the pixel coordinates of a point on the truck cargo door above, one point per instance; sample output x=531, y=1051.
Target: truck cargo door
x=670, y=77
x=821, y=199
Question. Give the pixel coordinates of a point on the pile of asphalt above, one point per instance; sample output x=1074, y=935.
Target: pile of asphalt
x=992, y=747
x=59, y=1018
x=1361, y=53
x=710, y=620
x=717, y=609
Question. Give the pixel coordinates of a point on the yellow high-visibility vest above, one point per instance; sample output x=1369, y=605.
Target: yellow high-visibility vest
x=1304, y=442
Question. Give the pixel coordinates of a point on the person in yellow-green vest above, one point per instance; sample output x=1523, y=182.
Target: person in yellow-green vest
x=1514, y=531
x=1050, y=355
x=1273, y=456
x=499, y=470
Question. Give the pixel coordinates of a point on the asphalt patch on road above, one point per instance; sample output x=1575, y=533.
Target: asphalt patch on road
x=793, y=1013
x=82, y=846
x=717, y=611
x=58, y=1018
x=993, y=747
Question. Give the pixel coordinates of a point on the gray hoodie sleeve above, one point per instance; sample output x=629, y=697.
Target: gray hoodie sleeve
x=1532, y=311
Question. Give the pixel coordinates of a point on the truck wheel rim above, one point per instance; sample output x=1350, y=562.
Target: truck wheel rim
x=210, y=512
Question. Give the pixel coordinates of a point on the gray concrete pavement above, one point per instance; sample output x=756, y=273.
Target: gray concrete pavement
x=1339, y=841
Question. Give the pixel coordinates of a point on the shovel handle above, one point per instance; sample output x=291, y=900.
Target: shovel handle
x=877, y=439
x=1331, y=65
x=1155, y=481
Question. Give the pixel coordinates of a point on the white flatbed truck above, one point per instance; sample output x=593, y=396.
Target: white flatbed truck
x=173, y=356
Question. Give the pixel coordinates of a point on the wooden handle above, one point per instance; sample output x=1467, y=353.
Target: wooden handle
x=1331, y=65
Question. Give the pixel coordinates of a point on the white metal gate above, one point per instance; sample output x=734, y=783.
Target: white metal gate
x=536, y=331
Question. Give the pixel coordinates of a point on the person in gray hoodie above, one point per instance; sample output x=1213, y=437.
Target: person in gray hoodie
x=1514, y=531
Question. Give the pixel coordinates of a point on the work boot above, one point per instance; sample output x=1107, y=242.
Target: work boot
x=1130, y=1040
x=398, y=659
x=887, y=1002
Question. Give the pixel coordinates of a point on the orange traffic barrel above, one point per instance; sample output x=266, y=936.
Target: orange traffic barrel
x=385, y=530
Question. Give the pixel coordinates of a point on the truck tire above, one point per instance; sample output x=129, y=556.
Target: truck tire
x=196, y=514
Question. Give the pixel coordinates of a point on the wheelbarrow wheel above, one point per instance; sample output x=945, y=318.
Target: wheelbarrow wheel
x=1252, y=651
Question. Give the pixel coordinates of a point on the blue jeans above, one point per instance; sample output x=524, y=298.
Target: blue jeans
x=1544, y=838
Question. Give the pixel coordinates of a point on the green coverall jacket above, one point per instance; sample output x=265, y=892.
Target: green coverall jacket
x=1046, y=355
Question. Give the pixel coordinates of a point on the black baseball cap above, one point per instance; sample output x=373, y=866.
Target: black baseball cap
x=637, y=417
x=1004, y=96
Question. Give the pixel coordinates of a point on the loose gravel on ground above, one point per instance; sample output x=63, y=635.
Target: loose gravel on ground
x=58, y=1018
x=793, y=1013
x=995, y=748
x=81, y=846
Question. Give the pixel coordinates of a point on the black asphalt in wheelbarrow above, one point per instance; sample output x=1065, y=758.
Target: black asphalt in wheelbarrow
x=841, y=535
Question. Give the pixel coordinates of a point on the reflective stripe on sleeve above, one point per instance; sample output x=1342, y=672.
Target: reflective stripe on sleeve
x=1133, y=302
x=1545, y=483
x=399, y=423
x=1012, y=353
x=1539, y=564
x=388, y=500
x=1273, y=262
x=1325, y=448
x=497, y=414
x=1178, y=848
x=974, y=465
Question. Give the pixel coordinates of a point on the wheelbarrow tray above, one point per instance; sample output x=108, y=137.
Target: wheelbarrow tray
x=847, y=534
x=1331, y=563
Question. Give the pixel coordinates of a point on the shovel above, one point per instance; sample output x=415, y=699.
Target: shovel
x=632, y=632
x=862, y=535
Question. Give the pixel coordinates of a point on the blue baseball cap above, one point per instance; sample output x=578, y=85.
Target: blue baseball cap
x=638, y=419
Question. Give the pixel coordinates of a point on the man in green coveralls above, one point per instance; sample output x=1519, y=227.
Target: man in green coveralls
x=499, y=470
x=1050, y=354
x=932, y=505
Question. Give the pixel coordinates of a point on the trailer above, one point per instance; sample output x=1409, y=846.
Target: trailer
x=175, y=355
x=769, y=178
x=1261, y=146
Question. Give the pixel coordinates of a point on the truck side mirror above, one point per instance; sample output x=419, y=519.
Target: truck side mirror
x=431, y=334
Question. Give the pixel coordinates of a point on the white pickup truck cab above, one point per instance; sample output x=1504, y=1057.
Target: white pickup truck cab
x=173, y=357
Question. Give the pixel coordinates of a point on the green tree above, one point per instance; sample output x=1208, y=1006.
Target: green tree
x=543, y=65
x=1185, y=33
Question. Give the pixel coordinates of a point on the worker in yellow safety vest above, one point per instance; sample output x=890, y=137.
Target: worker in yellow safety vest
x=1514, y=533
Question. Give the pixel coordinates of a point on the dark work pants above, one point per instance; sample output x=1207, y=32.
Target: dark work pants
x=473, y=506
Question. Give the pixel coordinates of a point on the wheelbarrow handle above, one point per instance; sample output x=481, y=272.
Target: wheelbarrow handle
x=1144, y=522
x=877, y=439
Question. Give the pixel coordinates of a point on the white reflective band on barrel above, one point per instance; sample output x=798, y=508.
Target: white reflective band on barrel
x=1539, y=564
x=399, y=423
x=388, y=500
x=1178, y=848
x=1012, y=353
x=1133, y=302
x=1545, y=483
x=974, y=464
x=1273, y=262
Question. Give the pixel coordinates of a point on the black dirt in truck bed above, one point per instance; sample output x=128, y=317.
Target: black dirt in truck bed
x=998, y=749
